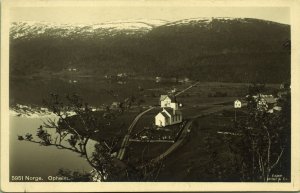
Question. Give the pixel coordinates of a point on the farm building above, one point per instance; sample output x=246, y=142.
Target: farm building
x=158, y=79
x=167, y=101
x=170, y=113
x=266, y=102
x=237, y=104
x=115, y=105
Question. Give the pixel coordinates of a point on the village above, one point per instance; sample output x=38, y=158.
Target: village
x=175, y=119
x=168, y=122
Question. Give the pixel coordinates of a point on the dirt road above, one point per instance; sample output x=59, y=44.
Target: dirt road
x=125, y=141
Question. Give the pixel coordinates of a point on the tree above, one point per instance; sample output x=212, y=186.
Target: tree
x=75, y=126
x=263, y=141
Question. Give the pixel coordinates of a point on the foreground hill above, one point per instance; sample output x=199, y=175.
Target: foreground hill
x=206, y=49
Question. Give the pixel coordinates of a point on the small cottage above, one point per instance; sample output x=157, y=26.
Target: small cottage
x=237, y=104
x=158, y=79
x=115, y=105
x=167, y=101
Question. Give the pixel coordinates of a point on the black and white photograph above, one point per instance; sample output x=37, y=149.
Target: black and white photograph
x=148, y=92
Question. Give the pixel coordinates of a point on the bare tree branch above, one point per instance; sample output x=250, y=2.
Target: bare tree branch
x=278, y=158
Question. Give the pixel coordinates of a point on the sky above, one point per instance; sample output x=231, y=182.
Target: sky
x=171, y=13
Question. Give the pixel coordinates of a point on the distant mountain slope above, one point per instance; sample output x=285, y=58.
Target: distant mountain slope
x=207, y=49
x=30, y=29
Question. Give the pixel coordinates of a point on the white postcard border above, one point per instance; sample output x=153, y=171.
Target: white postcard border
x=7, y=186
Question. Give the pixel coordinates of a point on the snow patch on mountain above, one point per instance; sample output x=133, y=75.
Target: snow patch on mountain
x=27, y=28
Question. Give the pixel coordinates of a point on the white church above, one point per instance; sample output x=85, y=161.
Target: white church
x=170, y=113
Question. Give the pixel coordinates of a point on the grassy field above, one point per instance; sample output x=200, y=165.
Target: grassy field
x=204, y=93
x=194, y=152
x=141, y=152
x=202, y=153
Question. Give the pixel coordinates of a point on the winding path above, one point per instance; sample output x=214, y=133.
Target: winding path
x=125, y=141
x=187, y=89
x=181, y=138
x=175, y=145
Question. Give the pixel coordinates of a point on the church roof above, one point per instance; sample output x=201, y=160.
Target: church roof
x=164, y=114
x=171, y=111
x=163, y=97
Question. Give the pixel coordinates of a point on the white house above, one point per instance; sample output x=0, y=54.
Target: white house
x=237, y=104
x=157, y=79
x=170, y=113
x=165, y=101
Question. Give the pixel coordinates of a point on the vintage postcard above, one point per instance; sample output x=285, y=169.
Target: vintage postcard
x=105, y=96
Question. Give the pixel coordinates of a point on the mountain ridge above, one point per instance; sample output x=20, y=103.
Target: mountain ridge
x=196, y=48
x=36, y=27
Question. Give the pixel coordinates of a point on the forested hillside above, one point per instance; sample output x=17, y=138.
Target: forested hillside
x=206, y=49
